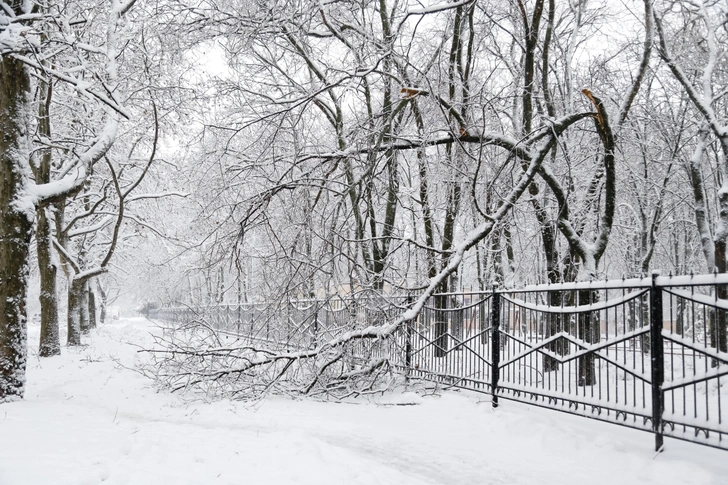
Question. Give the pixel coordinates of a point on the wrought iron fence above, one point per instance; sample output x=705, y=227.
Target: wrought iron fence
x=646, y=353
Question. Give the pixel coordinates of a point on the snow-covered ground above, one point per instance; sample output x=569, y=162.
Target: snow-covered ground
x=88, y=419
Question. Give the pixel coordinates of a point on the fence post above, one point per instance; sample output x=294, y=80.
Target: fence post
x=441, y=325
x=408, y=349
x=314, y=339
x=408, y=341
x=495, y=346
x=658, y=361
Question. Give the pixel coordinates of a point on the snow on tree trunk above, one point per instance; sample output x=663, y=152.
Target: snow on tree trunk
x=83, y=307
x=719, y=324
x=16, y=225
x=50, y=343
x=75, y=288
x=700, y=89
x=102, y=302
x=91, y=307
x=49, y=339
x=701, y=206
x=588, y=331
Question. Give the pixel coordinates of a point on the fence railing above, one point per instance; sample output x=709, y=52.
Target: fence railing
x=647, y=353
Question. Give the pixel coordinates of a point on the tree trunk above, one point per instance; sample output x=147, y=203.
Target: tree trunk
x=83, y=308
x=719, y=322
x=91, y=307
x=555, y=321
x=102, y=302
x=588, y=329
x=720, y=332
x=50, y=343
x=441, y=324
x=75, y=291
x=553, y=326
x=16, y=225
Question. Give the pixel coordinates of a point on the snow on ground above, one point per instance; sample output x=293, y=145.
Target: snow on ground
x=87, y=419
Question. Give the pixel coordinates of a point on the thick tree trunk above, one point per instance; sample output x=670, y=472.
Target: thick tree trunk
x=441, y=324
x=702, y=219
x=16, y=225
x=75, y=297
x=554, y=325
x=91, y=306
x=555, y=321
x=719, y=317
x=49, y=339
x=50, y=343
x=83, y=308
x=102, y=302
x=719, y=334
x=588, y=330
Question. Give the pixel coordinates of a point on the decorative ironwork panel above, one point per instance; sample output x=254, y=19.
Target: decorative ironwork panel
x=696, y=361
x=583, y=351
x=450, y=341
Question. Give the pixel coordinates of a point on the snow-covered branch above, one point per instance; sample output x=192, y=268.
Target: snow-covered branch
x=644, y=64
x=81, y=86
x=90, y=229
x=76, y=177
x=66, y=256
x=440, y=7
x=159, y=195
x=702, y=102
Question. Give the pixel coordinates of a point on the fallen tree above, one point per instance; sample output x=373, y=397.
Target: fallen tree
x=197, y=357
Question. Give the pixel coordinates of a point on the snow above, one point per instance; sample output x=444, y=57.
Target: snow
x=439, y=7
x=600, y=305
x=12, y=34
x=693, y=280
x=58, y=187
x=93, y=228
x=88, y=417
x=587, y=285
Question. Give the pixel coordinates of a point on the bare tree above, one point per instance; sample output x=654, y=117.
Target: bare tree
x=24, y=46
x=704, y=38
x=322, y=200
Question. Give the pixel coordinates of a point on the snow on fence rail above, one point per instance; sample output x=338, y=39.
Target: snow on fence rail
x=646, y=353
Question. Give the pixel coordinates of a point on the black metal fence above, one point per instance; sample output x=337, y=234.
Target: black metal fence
x=646, y=353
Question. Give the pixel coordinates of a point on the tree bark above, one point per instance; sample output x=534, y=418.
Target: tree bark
x=83, y=308
x=91, y=306
x=16, y=225
x=588, y=330
x=102, y=302
x=50, y=343
x=719, y=320
x=73, y=320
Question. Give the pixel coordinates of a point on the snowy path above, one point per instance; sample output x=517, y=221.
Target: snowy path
x=87, y=420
